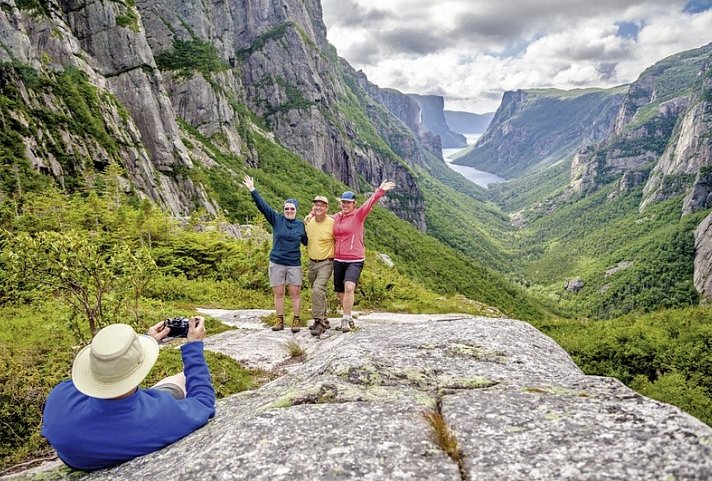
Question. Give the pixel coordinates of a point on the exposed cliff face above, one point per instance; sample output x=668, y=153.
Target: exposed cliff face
x=533, y=128
x=686, y=164
x=647, y=131
x=114, y=72
x=173, y=66
x=411, y=143
x=432, y=109
x=703, y=258
x=290, y=75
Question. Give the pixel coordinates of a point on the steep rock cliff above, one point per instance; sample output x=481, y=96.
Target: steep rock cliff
x=468, y=122
x=432, y=109
x=703, y=258
x=172, y=70
x=412, y=143
x=686, y=164
x=289, y=75
x=644, y=132
x=97, y=84
x=533, y=128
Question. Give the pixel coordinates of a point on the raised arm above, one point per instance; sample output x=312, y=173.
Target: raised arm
x=267, y=211
x=367, y=206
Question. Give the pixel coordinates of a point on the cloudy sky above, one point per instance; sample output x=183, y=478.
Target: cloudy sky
x=470, y=51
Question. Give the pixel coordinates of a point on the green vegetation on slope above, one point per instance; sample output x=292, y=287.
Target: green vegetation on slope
x=663, y=355
x=629, y=261
x=529, y=192
x=188, y=56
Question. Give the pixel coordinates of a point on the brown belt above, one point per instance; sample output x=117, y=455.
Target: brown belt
x=322, y=260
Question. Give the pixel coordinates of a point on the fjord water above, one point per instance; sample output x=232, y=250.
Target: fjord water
x=479, y=177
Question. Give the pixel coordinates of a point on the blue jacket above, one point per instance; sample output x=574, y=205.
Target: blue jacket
x=287, y=234
x=90, y=433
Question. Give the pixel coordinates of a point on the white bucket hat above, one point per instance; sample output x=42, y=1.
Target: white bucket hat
x=116, y=361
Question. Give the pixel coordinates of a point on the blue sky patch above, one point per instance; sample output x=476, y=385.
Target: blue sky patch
x=628, y=29
x=697, y=6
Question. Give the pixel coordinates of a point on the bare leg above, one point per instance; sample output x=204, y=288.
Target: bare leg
x=278, y=299
x=340, y=295
x=176, y=379
x=294, y=293
x=347, y=298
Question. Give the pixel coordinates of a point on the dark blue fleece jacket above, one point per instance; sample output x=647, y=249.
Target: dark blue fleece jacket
x=287, y=234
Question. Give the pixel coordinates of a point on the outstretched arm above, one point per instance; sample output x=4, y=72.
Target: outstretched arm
x=269, y=213
x=367, y=206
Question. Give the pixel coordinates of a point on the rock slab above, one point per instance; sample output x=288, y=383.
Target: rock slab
x=516, y=404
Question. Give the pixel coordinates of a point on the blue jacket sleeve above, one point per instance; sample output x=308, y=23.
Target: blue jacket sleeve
x=267, y=211
x=200, y=392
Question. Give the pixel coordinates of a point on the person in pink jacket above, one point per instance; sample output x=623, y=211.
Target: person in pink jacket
x=350, y=252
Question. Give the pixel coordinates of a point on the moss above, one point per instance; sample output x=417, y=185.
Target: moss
x=295, y=99
x=188, y=56
x=129, y=20
x=476, y=352
x=458, y=382
x=376, y=374
x=305, y=38
x=273, y=34
x=37, y=8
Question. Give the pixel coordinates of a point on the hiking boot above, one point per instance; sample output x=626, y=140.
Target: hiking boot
x=296, y=324
x=318, y=328
x=279, y=325
x=345, y=327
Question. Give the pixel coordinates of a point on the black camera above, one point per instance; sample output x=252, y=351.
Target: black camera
x=179, y=326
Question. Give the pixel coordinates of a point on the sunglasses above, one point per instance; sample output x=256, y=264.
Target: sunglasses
x=289, y=208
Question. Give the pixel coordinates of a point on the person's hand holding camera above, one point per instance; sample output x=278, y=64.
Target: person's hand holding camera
x=159, y=331
x=196, y=329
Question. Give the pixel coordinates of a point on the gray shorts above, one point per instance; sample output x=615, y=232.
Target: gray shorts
x=172, y=389
x=280, y=275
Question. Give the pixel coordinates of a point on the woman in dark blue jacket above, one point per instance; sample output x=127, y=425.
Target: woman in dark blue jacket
x=285, y=260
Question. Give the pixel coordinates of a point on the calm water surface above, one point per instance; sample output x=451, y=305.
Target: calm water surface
x=479, y=177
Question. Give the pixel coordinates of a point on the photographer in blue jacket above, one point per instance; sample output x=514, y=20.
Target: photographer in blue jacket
x=101, y=417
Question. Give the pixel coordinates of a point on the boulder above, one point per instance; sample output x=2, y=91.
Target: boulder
x=354, y=408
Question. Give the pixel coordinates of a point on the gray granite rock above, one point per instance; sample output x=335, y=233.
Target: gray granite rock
x=354, y=407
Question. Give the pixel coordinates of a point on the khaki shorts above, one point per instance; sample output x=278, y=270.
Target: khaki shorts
x=280, y=275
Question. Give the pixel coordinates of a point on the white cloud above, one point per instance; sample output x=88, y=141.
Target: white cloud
x=471, y=51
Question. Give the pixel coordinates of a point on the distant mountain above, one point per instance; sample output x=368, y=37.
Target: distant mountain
x=467, y=122
x=661, y=137
x=433, y=111
x=533, y=128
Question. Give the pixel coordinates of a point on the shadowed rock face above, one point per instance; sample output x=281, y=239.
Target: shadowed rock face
x=703, y=258
x=516, y=403
x=433, y=119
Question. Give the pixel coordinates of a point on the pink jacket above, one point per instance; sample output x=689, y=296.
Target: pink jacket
x=348, y=231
